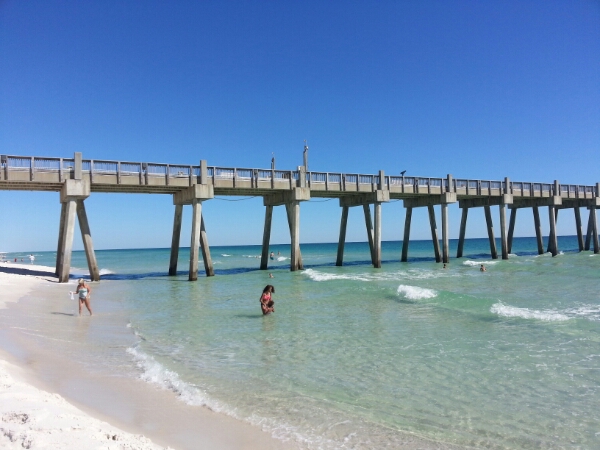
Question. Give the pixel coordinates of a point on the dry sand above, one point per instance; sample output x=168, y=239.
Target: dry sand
x=49, y=401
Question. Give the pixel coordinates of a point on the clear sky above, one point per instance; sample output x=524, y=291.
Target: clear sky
x=478, y=89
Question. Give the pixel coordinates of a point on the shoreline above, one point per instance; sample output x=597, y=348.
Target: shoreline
x=83, y=407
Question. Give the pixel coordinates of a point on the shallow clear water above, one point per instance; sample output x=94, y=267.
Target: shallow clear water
x=355, y=357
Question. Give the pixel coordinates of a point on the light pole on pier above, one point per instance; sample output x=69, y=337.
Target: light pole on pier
x=305, y=156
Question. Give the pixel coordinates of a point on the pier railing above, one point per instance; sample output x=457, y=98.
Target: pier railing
x=43, y=173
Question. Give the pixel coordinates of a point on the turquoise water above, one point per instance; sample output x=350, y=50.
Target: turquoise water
x=356, y=357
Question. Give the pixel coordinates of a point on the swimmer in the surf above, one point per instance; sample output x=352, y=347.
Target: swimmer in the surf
x=272, y=255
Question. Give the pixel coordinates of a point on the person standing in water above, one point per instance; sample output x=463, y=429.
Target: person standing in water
x=84, y=291
x=267, y=305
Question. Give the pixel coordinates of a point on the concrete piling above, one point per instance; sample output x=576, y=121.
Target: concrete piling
x=552, y=240
x=264, y=259
x=511, y=229
x=463, y=229
x=88, y=245
x=342, y=240
x=175, y=240
x=578, y=228
x=406, y=240
x=490, y=230
x=434, y=233
x=66, y=249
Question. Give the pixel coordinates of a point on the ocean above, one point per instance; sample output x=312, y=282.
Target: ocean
x=362, y=358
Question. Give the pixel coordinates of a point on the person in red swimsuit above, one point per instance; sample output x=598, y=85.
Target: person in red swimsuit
x=266, y=301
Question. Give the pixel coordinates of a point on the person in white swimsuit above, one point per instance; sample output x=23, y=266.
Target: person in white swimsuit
x=84, y=291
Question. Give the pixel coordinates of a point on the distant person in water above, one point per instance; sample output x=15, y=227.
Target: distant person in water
x=271, y=275
x=84, y=291
x=31, y=258
x=445, y=267
x=267, y=305
x=272, y=255
x=482, y=268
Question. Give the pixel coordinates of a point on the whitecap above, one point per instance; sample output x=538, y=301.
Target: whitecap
x=281, y=258
x=415, y=292
x=323, y=276
x=549, y=315
x=225, y=254
x=590, y=312
x=105, y=272
x=478, y=263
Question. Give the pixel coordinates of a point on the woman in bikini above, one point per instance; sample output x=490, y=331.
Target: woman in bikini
x=84, y=291
x=267, y=305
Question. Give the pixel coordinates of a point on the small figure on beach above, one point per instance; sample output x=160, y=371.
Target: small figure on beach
x=267, y=305
x=482, y=268
x=272, y=255
x=31, y=258
x=84, y=291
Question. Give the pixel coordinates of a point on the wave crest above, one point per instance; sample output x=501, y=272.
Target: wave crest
x=155, y=373
x=526, y=313
x=478, y=263
x=415, y=292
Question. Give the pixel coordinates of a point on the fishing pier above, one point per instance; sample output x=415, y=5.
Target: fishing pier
x=76, y=179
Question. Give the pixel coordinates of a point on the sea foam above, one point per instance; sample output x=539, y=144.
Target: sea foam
x=155, y=373
x=526, y=313
x=478, y=263
x=415, y=292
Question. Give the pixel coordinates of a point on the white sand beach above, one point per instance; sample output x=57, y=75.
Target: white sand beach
x=49, y=401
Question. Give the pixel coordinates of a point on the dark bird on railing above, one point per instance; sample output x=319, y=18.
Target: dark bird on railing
x=403, y=172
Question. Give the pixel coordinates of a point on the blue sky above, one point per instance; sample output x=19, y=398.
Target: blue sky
x=478, y=89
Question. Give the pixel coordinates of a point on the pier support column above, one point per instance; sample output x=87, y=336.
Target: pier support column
x=552, y=240
x=490, y=228
x=594, y=224
x=369, y=226
x=61, y=237
x=463, y=230
x=365, y=200
x=194, y=195
x=538, y=230
x=208, y=265
x=88, y=245
x=291, y=199
x=405, y=242
x=503, y=239
x=377, y=237
x=342, y=240
x=66, y=249
x=195, y=241
x=264, y=259
x=578, y=228
x=434, y=234
x=445, y=235
x=429, y=201
x=72, y=194
x=511, y=229
x=588, y=234
x=293, y=210
x=175, y=240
